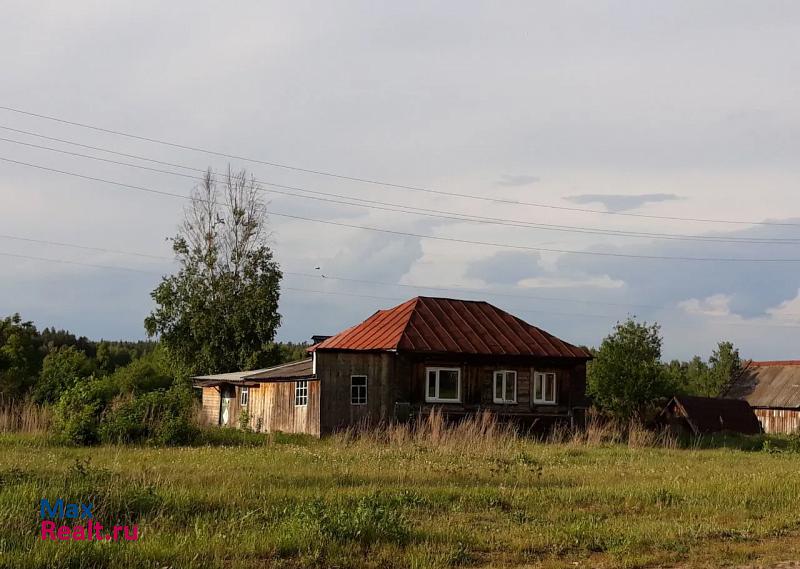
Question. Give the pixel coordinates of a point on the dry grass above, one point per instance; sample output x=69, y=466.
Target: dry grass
x=25, y=417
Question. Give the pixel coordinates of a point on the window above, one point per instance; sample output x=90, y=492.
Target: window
x=244, y=396
x=443, y=384
x=544, y=388
x=300, y=393
x=505, y=386
x=358, y=389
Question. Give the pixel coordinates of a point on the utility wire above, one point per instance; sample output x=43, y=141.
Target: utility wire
x=423, y=236
x=435, y=213
x=375, y=181
x=343, y=279
x=295, y=289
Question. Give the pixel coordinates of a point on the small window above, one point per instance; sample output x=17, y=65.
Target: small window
x=545, y=388
x=505, y=386
x=358, y=389
x=301, y=393
x=244, y=396
x=443, y=384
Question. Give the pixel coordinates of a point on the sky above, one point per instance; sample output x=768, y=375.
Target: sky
x=559, y=121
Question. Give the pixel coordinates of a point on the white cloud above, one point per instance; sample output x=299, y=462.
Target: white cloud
x=714, y=305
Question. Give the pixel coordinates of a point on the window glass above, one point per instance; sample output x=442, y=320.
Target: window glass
x=244, y=397
x=301, y=393
x=432, y=384
x=358, y=390
x=448, y=384
x=511, y=386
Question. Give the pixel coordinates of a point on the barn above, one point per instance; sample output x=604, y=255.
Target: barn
x=772, y=388
x=455, y=356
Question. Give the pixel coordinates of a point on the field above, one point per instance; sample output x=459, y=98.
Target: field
x=399, y=500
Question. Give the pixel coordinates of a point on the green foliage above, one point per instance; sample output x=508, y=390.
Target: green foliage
x=219, y=312
x=161, y=417
x=626, y=377
x=147, y=373
x=697, y=377
x=61, y=369
x=20, y=357
x=723, y=364
x=78, y=411
x=244, y=420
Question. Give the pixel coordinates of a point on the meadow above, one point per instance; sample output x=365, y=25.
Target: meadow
x=468, y=496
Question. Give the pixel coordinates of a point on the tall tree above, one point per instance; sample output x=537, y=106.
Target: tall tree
x=627, y=376
x=20, y=356
x=722, y=365
x=219, y=312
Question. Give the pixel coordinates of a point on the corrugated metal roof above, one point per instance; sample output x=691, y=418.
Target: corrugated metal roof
x=445, y=325
x=768, y=384
x=711, y=415
x=300, y=369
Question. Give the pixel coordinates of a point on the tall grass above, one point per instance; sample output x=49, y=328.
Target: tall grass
x=25, y=417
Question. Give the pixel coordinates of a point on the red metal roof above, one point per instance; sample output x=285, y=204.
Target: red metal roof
x=445, y=325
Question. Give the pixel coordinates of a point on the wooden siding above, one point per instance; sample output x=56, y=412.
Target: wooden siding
x=783, y=421
x=209, y=415
x=270, y=407
x=384, y=387
x=394, y=378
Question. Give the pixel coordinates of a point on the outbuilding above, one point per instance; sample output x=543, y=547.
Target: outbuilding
x=772, y=388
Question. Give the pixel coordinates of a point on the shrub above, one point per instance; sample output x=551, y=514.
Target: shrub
x=161, y=417
x=78, y=412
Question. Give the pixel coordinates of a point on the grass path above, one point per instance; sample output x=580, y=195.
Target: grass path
x=506, y=503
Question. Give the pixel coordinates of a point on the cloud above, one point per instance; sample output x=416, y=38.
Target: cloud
x=619, y=202
x=514, y=180
x=506, y=267
x=714, y=305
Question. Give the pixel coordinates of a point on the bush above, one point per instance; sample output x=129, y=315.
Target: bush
x=78, y=412
x=148, y=373
x=161, y=417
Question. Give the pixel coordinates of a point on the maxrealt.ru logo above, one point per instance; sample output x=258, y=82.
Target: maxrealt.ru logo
x=90, y=530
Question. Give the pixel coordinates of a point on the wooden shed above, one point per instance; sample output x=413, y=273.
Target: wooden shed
x=704, y=415
x=772, y=388
x=281, y=398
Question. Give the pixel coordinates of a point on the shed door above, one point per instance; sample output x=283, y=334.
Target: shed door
x=226, y=395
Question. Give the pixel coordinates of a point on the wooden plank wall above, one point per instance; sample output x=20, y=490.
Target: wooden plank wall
x=782, y=421
x=209, y=414
x=393, y=377
x=270, y=406
x=477, y=383
x=384, y=387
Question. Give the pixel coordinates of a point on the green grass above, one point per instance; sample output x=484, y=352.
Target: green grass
x=287, y=501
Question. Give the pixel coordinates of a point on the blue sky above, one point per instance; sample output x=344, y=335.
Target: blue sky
x=679, y=109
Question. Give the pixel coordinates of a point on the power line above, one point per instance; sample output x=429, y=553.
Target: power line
x=428, y=212
x=380, y=182
x=460, y=290
x=423, y=236
x=295, y=289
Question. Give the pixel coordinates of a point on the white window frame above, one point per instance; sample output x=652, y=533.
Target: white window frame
x=301, y=393
x=503, y=376
x=435, y=398
x=244, y=396
x=543, y=376
x=358, y=400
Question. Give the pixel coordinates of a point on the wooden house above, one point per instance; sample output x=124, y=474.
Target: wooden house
x=456, y=356
x=772, y=388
